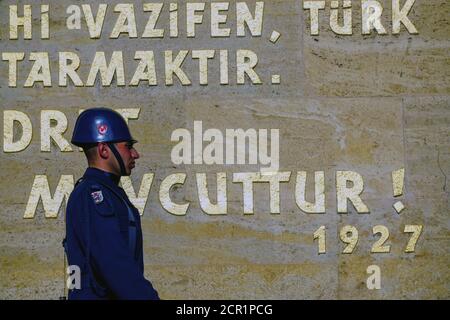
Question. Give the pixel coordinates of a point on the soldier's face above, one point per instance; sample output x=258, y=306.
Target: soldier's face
x=129, y=155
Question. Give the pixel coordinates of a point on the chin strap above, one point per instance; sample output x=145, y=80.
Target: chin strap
x=116, y=153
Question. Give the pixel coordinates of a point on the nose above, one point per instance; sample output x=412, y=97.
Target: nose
x=135, y=154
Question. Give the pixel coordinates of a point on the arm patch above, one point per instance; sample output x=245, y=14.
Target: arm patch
x=101, y=201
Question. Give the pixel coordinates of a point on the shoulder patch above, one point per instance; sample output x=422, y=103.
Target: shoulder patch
x=97, y=196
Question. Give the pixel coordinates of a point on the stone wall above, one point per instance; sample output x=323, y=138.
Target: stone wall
x=365, y=103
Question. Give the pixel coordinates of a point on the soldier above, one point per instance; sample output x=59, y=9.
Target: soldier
x=103, y=228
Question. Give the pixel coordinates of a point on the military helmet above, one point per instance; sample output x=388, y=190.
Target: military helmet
x=100, y=125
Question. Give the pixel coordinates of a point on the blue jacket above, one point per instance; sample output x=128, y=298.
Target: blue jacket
x=104, y=239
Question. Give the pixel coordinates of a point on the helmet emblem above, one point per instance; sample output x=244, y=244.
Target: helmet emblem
x=102, y=129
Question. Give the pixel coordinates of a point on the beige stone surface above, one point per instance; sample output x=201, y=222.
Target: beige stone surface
x=381, y=65
x=371, y=104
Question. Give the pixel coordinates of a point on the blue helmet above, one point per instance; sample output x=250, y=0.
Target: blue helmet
x=100, y=125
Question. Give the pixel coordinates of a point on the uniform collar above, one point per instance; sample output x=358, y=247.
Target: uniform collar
x=102, y=175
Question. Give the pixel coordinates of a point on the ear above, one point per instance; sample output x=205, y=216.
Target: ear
x=103, y=150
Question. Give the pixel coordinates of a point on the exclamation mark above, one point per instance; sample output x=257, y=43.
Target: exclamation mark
x=398, y=179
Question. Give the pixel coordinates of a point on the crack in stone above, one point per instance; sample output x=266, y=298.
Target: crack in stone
x=442, y=171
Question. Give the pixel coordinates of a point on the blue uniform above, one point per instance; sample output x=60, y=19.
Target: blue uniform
x=104, y=239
